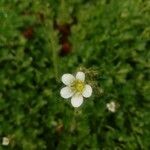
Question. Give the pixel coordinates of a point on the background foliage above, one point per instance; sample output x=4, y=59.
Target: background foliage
x=41, y=40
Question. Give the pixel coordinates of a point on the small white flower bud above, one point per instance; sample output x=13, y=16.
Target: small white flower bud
x=5, y=141
x=111, y=106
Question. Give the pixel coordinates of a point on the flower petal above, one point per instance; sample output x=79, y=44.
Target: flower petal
x=87, y=91
x=66, y=92
x=80, y=76
x=67, y=79
x=77, y=100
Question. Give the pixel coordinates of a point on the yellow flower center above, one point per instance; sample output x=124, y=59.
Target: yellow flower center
x=78, y=86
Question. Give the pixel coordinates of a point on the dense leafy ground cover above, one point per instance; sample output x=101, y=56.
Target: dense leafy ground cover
x=41, y=40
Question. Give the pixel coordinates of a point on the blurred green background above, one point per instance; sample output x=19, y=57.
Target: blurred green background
x=40, y=40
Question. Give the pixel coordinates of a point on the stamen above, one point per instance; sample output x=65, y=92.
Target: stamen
x=78, y=86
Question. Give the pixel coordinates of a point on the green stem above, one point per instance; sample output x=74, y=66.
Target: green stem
x=53, y=47
x=54, y=58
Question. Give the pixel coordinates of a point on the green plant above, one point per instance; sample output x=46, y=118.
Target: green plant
x=110, y=38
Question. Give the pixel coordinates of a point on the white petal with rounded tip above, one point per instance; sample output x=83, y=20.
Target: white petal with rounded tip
x=87, y=91
x=67, y=79
x=76, y=100
x=66, y=92
x=80, y=76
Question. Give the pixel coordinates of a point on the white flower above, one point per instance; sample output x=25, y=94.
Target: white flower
x=5, y=141
x=76, y=88
x=111, y=106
